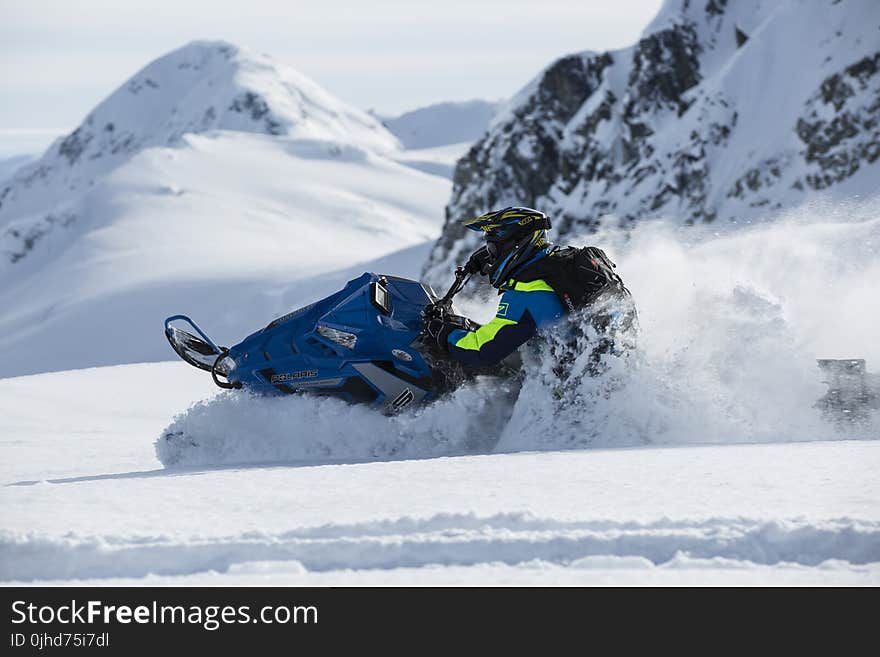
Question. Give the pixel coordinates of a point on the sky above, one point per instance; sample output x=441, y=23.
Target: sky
x=60, y=58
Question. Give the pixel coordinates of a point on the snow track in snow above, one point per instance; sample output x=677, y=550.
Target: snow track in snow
x=85, y=501
x=448, y=540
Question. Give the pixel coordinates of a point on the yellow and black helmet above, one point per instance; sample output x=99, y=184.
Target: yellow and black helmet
x=514, y=236
x=509, y=224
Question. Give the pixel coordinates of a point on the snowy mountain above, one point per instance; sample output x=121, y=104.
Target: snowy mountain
x=201, y=87
x=212, y=181
x=9, y=165
x=442, y=124
x=438, y=160
x=723, y=112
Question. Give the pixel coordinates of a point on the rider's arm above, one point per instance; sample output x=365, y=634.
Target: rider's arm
x=521, y=312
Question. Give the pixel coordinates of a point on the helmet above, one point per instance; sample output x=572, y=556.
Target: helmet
x=513, y=236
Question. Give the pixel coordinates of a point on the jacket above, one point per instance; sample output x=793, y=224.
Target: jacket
x=525, y=307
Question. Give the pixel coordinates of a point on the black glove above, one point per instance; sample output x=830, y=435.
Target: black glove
x=440, y=322
x=480, y=262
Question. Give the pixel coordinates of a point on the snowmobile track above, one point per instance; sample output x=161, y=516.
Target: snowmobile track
x=444, y=539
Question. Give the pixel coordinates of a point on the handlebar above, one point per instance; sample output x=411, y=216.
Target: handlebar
x=478, y=262
x=461, y=278
x=442, y=308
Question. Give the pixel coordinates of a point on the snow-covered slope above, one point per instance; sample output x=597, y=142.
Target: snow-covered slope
x=201, y=87
x=214, y=182
x=9, y=165
x=84, y=499
x=439, y=160
x=722, y=112
x=442, y=124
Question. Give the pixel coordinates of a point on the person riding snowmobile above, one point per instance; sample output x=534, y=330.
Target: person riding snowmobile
x=539, y=283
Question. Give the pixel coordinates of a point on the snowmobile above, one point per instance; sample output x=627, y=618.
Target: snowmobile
x=366, y=343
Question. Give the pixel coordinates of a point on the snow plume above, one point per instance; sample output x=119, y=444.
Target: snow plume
x=244, y=428
x=731, y=325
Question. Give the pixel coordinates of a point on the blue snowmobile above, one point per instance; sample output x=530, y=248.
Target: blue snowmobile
x=366, y=344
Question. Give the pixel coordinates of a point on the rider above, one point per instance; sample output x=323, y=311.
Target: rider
x=539, y=284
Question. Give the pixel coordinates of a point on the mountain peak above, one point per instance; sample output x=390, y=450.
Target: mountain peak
x=723, y=111
x=215, y=85
x=201, y=87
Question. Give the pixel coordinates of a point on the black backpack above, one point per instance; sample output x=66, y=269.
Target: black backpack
x=578, y=276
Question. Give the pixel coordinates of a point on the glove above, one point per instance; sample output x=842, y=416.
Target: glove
x=439, y=323
x=480, y=261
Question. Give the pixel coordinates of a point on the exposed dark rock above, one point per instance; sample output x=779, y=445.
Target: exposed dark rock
x=24, y=239
x=839, y=142
x=716, y=7
x=74, y=145
x=250, y=102
x=549, y=146
x=665, y=65
x=533, y=158
x=766, y=174
x=864, y=69
x=273, y=127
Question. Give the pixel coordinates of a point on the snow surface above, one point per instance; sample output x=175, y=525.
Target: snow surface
x=442, y=124
x=85, y=501
x=9, y=165
x=438, y=160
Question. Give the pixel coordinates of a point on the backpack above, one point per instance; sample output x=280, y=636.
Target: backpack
x=578, y=276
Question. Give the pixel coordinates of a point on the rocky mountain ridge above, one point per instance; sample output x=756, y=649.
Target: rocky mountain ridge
x=722, y=112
